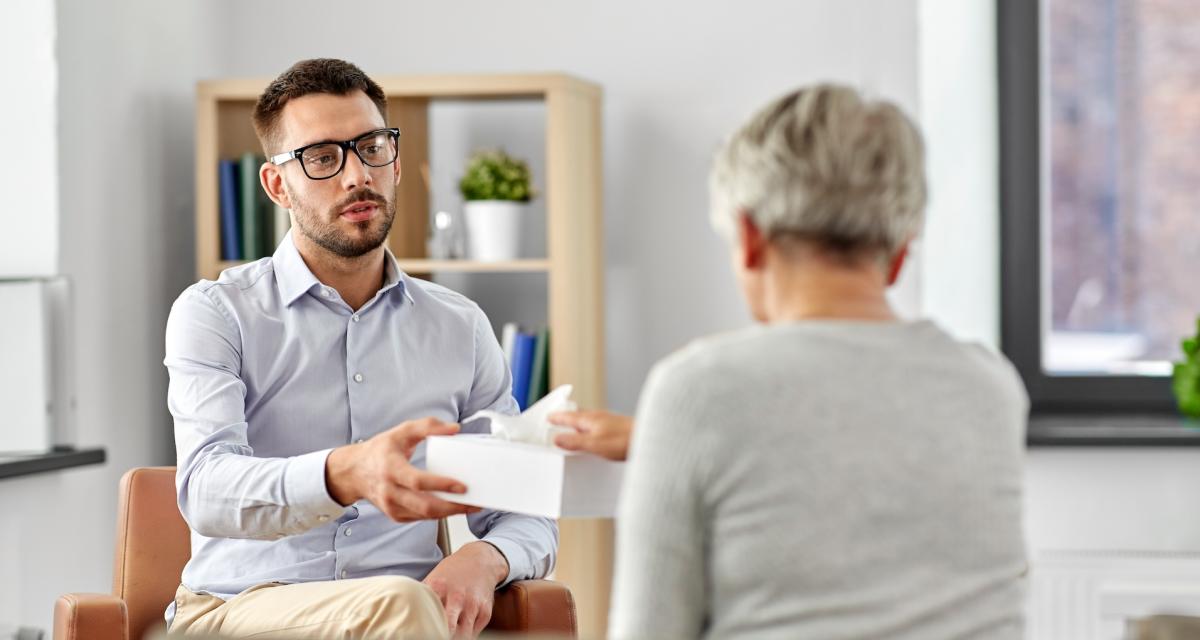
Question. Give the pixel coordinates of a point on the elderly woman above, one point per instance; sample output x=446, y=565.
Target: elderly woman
x=833, y=471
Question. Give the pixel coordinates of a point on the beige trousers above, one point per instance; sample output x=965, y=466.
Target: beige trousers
x=379, y=607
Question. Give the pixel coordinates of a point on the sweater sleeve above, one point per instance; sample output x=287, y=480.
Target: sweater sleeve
x=661, y=580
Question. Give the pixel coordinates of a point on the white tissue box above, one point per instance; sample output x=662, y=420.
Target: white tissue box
x=526, y=478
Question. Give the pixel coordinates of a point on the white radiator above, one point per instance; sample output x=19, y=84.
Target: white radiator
x=1088, y=595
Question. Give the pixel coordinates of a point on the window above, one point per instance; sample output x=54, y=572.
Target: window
x=1100, y=197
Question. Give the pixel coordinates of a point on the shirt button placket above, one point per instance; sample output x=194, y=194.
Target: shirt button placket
x=352, y=338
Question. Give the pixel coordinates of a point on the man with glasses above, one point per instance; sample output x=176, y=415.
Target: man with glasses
x=302, y=386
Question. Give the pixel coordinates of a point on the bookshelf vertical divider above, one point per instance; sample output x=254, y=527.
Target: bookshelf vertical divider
x=574, y=263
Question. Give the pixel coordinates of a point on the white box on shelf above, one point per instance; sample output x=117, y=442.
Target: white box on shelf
x=526, y=478
x=36, y=387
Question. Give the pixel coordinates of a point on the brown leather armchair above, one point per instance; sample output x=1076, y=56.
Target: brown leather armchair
x=153, y=544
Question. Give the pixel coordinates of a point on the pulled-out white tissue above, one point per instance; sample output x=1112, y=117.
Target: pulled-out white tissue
x=532, y=426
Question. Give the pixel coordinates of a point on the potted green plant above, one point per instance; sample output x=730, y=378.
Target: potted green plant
x=1185, y=380
x=497, y=189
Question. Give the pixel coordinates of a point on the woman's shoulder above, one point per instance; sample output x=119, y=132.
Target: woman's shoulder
x=710, y=365
x=818, y=346
x=716, y=350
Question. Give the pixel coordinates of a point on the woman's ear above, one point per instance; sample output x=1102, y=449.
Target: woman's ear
x=272, y=182
x=897, y=263
x=751, y=243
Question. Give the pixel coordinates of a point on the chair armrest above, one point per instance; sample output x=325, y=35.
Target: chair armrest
x=89, y=616
x=537, y=606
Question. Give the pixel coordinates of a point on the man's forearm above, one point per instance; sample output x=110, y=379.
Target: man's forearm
x=260, y=485
x=491, y=559
x=528, y=543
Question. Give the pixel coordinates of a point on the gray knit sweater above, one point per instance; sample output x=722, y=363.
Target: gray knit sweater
x=825, y=479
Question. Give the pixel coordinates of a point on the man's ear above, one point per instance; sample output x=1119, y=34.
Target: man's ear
x=272, y=182
x=751, y=242
x=897, y=263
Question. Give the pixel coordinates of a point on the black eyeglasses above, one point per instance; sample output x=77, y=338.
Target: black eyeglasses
x=324, y=160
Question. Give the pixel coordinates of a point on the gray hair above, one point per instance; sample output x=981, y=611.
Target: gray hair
x=822, y=163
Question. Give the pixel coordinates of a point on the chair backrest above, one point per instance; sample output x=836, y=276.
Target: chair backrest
x=154, y=543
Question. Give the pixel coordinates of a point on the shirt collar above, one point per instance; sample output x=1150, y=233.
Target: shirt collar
x=295, y=279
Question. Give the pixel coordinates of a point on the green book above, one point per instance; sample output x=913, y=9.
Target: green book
x=266, y=215
x=251, y=210
x=539, y=378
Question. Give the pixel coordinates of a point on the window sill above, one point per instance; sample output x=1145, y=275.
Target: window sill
x=1083, y=430
x=13, y=465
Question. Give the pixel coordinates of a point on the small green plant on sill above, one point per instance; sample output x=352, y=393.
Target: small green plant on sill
x=494, y=175
x=1185, y=381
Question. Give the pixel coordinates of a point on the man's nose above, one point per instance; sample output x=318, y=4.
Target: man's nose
x=355, y=174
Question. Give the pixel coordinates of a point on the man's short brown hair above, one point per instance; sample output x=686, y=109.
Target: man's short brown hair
x=319, y=75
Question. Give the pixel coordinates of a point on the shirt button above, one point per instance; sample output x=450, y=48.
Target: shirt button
x=359, y=441
x=325, y=292
x=343, y=574
x=358, y=377
x=354, y=317
x=347, y=532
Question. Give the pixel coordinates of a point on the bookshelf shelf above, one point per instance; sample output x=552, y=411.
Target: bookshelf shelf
x=574, y=242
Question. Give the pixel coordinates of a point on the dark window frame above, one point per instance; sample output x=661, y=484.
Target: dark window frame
x=1019, y=74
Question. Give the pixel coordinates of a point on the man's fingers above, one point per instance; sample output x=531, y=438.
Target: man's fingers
x=482, y=618
x=415, y=505
x=411, y=433
x=405, y=437
x=453, y=605
x=425, y=481
x=466, y=619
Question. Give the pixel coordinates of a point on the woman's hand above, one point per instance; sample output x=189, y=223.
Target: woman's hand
x=600, y=432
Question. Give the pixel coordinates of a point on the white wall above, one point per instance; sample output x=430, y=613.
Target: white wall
x=677, y=77
x=124, y=175
x=960, y=248
x=28, y=176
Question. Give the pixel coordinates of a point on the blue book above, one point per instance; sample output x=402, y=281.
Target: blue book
x=231, y=238
x=522, y=367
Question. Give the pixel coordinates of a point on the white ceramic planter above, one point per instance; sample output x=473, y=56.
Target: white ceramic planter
x=494, y=229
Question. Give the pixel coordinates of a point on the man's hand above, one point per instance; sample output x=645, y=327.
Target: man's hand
x=378, y=470
x=600, y=432
x=465, y=581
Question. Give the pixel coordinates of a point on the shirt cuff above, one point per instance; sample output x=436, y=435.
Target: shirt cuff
x=511, y=552
x=307, y=495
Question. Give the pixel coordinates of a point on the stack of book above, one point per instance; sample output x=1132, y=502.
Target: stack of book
x=528, y=356
x=251, y=225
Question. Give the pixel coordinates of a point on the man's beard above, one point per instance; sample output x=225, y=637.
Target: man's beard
x=326, y=234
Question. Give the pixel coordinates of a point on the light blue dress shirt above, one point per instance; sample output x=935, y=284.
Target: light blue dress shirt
x=270, y=370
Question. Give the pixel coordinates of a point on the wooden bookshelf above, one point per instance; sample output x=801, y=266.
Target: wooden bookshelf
x=574, y=232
